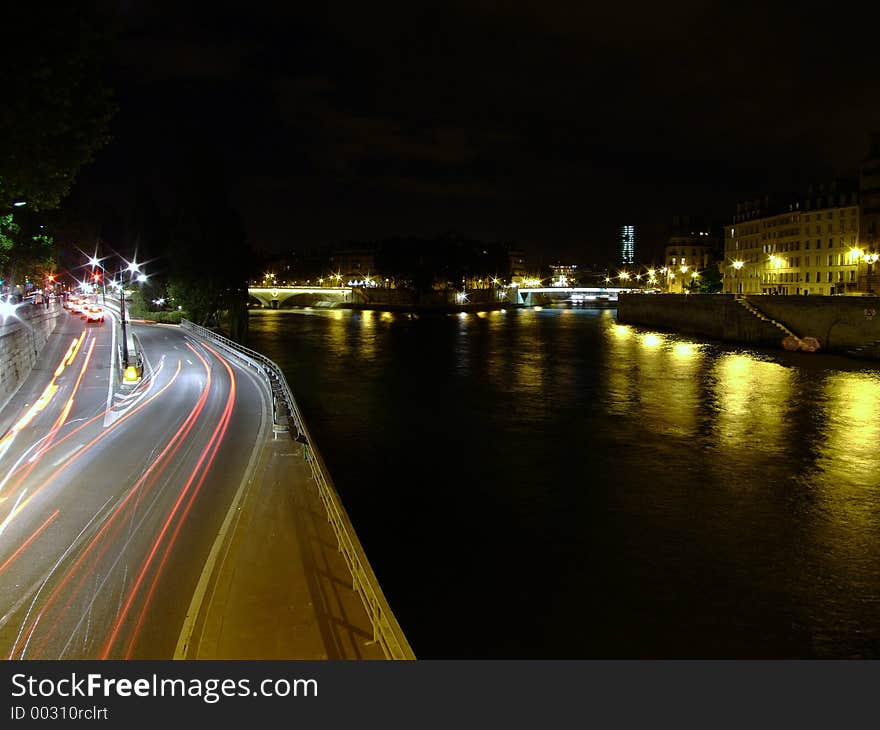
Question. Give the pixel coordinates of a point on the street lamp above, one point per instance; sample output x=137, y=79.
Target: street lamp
x=95, y=263
x=871, y=259
x=132, y=268
x=737, y=265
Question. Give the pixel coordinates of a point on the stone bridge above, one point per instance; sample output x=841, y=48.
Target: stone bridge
x=272, y=297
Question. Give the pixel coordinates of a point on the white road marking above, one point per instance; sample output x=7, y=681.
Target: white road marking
x=12, y=511
x=68, y=455
x=112, y=362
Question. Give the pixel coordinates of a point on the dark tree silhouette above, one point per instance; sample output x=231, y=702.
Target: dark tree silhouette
x=56, y=110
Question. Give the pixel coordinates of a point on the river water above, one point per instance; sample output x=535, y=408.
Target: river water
x=547, y=483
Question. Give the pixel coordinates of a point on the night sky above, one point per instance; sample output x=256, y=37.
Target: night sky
x=546, y=123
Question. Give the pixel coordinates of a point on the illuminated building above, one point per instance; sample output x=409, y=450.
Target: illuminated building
x=806, y=246
x=563, y=275
x=869, y=219
x=517, y=263
x=691, y=249
x=827, y=242
x=353, y=264
x=627, y=245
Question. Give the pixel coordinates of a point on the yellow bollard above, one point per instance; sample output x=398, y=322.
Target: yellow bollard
x=131, y=374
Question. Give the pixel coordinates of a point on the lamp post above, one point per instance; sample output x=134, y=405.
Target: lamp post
x=871, y=259
x=96, y=264
x=737, y=266
x=133, y=268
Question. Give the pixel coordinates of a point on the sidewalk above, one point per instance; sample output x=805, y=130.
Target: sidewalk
x=280, y=588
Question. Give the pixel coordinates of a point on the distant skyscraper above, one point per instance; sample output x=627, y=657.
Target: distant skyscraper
x=627, y=245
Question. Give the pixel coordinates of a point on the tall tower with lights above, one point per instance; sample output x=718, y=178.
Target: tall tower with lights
x=627, y=240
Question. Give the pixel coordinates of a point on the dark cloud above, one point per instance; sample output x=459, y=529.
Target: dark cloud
x=547, y=122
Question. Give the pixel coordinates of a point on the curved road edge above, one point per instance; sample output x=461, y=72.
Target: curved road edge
x=336, y=632
x=195, y=606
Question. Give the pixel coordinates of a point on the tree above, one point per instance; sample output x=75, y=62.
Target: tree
x=208, y=255
x=26, y=249
x=709, y=282
x=55, y=110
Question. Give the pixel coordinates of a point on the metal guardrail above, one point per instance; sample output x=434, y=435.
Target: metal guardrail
x=286, y=413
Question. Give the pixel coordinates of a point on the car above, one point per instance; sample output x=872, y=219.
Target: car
x=94, y=313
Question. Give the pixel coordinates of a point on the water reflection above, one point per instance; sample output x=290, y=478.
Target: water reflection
x=755, y=398
x=849, y=451
x=653, y=377
x=722, y=502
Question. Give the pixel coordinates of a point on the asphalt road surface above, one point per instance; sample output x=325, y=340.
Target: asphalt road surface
x=111, y=498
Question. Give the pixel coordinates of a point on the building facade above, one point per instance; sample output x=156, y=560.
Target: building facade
x=350, y=266
x=692, y=248
x=869, y=215
x=827, y=242
x=563, y=275
x=806, y=246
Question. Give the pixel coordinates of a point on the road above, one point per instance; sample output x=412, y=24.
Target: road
x=111, y=498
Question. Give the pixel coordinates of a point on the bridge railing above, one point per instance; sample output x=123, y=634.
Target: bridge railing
x=286, y=413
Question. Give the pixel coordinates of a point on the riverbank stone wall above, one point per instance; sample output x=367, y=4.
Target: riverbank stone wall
x=838, y=323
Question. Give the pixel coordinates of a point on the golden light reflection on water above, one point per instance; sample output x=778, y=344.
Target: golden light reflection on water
x=528, y=368
x=852, y=428
x=754, y=398
x=335, y=334
x=367, y=337
x=654, y=377
x=622, y=331
x=685, y=350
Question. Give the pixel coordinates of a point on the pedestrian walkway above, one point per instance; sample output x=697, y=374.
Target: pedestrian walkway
x=280, y=588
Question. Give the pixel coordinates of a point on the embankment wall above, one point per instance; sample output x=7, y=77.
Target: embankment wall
x=21, y=339
x=838, y=323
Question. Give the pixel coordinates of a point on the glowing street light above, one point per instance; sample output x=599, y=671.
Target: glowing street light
x=133, y=268
x=737, y=265
x=871, y=259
